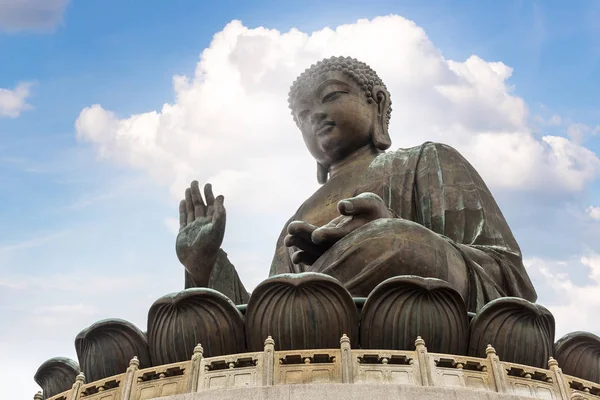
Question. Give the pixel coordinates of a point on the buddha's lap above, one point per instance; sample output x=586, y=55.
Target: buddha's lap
x=391, y=247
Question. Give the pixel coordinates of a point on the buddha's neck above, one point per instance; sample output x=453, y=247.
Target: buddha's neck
x=363, y=155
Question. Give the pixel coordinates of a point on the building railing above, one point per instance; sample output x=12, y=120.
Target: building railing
x=342, y=365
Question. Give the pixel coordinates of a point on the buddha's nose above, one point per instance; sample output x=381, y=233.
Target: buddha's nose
x=317, y=117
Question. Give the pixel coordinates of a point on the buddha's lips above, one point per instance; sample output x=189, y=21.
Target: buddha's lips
x=324, y=128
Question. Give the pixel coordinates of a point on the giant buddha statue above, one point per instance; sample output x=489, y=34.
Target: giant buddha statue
x=421, y=211
x=393, y=246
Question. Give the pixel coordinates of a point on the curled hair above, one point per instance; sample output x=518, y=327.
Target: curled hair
x=360, y=72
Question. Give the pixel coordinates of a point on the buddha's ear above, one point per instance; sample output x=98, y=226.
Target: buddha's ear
x=381, y=138
x=322, y=173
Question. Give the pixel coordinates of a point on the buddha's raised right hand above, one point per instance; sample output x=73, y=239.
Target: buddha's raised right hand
x=201, y=232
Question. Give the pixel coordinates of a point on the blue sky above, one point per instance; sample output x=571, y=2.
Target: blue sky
x=86, y=236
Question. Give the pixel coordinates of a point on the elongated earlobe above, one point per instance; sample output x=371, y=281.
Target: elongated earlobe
x=322, y=173
x=381, y=138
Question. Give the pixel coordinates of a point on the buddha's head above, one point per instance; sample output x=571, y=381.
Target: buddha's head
x=340, y=106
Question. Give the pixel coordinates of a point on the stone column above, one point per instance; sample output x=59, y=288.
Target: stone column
x=269, y=362
x=424, y=366
x=196, y=368
x=346, y=359
x=498, y=374
x=559, y=379
x=76, y=390
x=134, y=366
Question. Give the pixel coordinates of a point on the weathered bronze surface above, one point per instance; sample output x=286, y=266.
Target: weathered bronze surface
x=300, y=311
x=106, y=347
x=422, y=211
x=578, y=354
x=56, y=375
x=179, y=321
x=521, y=332
x=402, y=308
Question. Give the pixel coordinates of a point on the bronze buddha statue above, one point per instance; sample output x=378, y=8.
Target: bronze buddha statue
x=414, y=231
x=421, y=211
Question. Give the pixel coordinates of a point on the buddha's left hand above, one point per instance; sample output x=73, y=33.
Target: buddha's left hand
x=354, y=213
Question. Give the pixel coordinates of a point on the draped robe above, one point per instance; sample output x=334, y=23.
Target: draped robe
x=435, y=187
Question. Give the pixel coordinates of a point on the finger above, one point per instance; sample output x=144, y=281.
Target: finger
x=304, y=258
x=301, y=229
x=199, y=207
x=182, y=215
x=189, y=206
x=304, y=245
x=219, y=214
x=208, y=195
x=361, y=204
x=329, y=235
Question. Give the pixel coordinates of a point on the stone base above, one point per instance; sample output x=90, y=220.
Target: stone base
x=341, y=391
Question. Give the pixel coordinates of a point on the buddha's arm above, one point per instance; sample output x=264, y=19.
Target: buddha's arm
x=223, y=278
x=454, y=202
x=198, y=244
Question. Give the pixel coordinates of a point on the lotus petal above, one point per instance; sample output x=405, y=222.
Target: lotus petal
x=401, y=308
x=106, y=347
x=56, y=375
x=521, y=331
x=300, y=311
x=578, y=354
x=179, y=321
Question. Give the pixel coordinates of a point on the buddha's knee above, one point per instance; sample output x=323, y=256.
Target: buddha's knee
x=391, y=247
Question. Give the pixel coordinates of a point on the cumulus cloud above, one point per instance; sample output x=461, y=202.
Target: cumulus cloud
x=578, y=131
x=230, y=123
x=13, y=102
x=572, y=303
x=555, y=120
x=19, y=15
x=594, y=212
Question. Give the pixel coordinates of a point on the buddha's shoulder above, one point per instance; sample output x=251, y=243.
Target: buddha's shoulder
x=441, y=151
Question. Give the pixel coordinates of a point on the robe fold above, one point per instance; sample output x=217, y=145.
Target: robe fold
x=435, y=187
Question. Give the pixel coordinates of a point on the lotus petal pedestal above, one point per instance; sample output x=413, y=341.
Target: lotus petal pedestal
x=522, y=332
x=402, y=308
x=300, y=311
x=179, y=321
x=56, y=375
x=106, y=347
x=578, y=354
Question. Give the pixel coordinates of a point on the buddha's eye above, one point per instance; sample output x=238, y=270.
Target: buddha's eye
x=302, y=116
x=333, y=95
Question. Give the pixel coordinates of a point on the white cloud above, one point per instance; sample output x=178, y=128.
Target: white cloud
x=579, y=131
x=555, y=120
x=230, y=124
x=13, y=102
x=572, y=304
x=594, y=212
x=18, y=15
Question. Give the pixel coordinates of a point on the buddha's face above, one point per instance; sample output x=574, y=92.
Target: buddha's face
x=334, y=116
